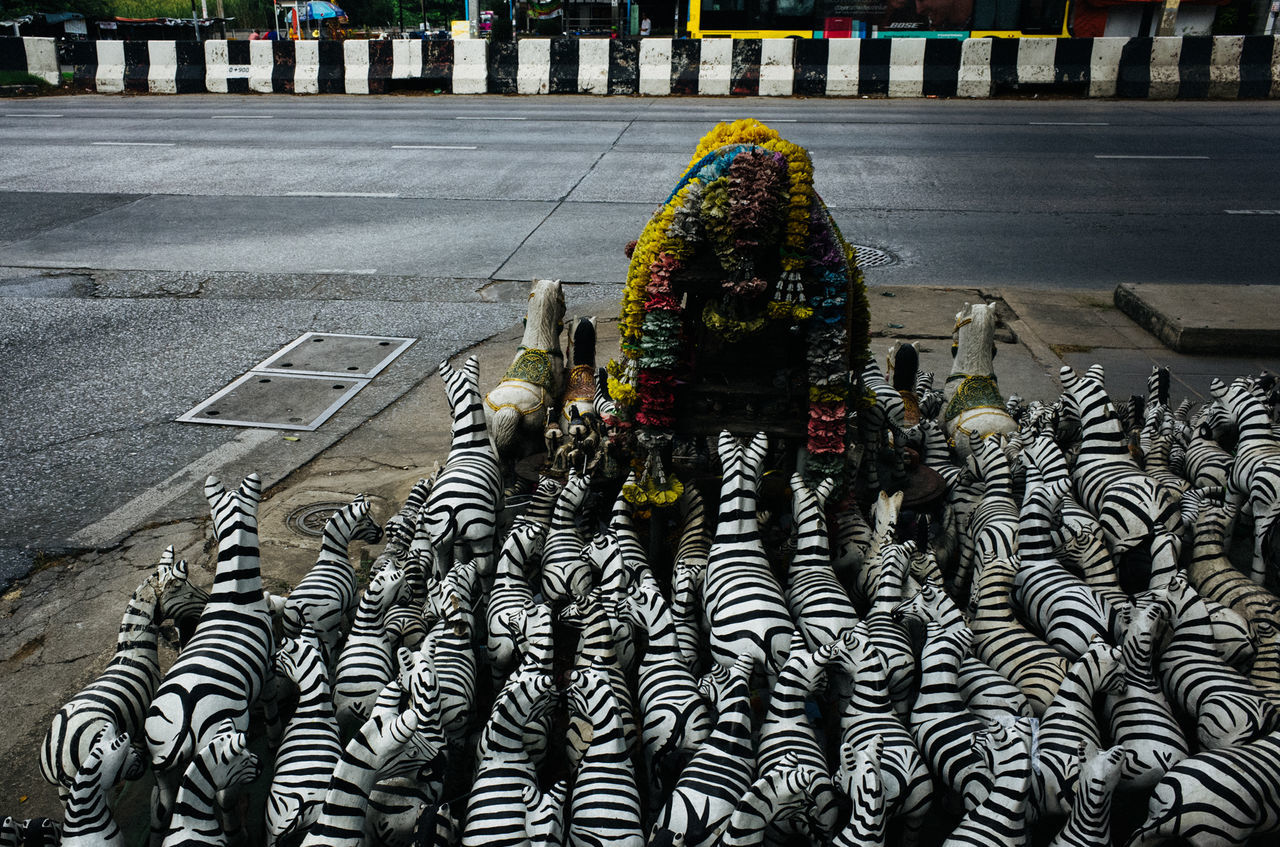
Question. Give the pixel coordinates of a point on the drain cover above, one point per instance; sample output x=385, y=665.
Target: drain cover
x=334, y=354
x=870, y=257
x=276, y=401
x=310, y=520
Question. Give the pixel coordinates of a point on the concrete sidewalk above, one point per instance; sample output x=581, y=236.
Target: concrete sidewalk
x=59, y=624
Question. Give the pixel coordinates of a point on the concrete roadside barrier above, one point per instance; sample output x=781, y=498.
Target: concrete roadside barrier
x=777, y=75
x=973, y=79
x=1104, y=66
x=306, y=71
x=715, y=66
x=108, y=77
x=655, y=67
x=906, y=67
x=470, y=72
x=36, y=56
x=355, y=67
x=593, y=65
x=533, y=66
x=262, y=66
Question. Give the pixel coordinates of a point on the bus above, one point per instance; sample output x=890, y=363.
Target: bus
x=879, y=18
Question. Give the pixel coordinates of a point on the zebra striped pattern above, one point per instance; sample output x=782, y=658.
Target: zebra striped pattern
x=781, y=799
x=1000, y=820
x=505, y=794
x=509, y=598
x=367, y=662
x=452, y=657
x=745, y=608
x=1069, y=722
x=115, y=702
x=1254, y=485
x=87, y=819
x=341, y=821
x=604, y=807
x=462, y=508
x=675, y=720
x=1133, y=508
x=1141, y=719
x=1217, y=797
x=326, y=596
x=1226, y=707
x=719, y=773
x=596, y=649
x=1089, y=824
x=565, y=575
x=223, y=764
x=311, y=747
x=818, y=602
x=864, y=785
x=223, y=668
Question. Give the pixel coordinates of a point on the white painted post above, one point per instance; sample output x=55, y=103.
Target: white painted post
x=1104, y=66
x=974, y=77
x=1165, y=53
x=715, y=64
x=777, y=68
x=533, y=66
x=215, y=66
x=906, y=67
x=593, y=65
x=261, y=65
x=162, y=67
x=306, y=67
x=110, y=77
x=655, y=66
x=1035, y=60
x=843, y=56
x=1224, y=67
x=355, y=67
x=470, y=68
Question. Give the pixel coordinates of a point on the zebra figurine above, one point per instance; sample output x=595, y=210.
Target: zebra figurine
x=675, y=719
x=87, y=818
x=1069, y=722
x=1227, y=708
x=504, y=794
x=942, y=727
x=1133, y=508
x=788, y=736
x=687, y=581
x=509, y=598
x=861, y=775
x=884, y=628
x=992, y=526
x=223, y=668
x=604, y=807
x=449, y=646
x=1212, y=573
x=1064, y=609
x=1254, y=486
x=1140, y=717
x=326, y=596
x=1089, y=824
x=818, y=602
x=311, y=747
x=117, y=700
x=223, y=764
x=31, y=832
x=717, y=776
x=1000, y=820
x=1003, y=642
x=366, y=663
x=1219, y=797
x=341, y=821
x=565, y=574
x=612, y=578
x=745, y=608
x=596, y=649
x=902, y=778
x=785, y=798
x=462, y=508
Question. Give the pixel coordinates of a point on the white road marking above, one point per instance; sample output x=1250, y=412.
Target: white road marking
x=1069, y=123
x=242, y=117
x=134, y=144
x=433, y=147
x=764, y=120
x=484, y=118
x=356, y=272
x=30, y=115
x=1101, y=156
x=140, y=509
x=1252, y=211
x=342, y=194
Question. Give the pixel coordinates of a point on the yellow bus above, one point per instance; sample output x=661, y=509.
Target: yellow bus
x=878, y=18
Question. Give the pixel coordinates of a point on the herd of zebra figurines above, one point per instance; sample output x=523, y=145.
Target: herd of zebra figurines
x=1064, y=627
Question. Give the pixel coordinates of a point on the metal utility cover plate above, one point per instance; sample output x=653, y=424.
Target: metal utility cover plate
x=276, y=401
x=334, y=354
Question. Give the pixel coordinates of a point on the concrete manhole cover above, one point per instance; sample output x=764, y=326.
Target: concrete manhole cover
x=872, y=257
x=276, y=401
x=309, y=520
x=336, y=354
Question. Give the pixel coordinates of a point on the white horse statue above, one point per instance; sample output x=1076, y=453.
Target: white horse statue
x=516, y=409
x=974, y=403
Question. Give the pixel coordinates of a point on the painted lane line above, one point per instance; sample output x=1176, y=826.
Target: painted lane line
x=134, y=144
x=1068, y=123
x=433, y=147
x=29, y=115
x=483, y=118
x=242, y=117
x=384, y=194
x=353, y=272
x=1252, y=211
x=764, y=120
x=1100, y=156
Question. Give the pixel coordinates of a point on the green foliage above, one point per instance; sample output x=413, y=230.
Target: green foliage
x=22, y=78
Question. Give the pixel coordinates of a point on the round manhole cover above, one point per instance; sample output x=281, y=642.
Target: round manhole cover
x=310, y=520
x=872, y=257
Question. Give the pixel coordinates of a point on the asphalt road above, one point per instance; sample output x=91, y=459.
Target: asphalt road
x=152, y=249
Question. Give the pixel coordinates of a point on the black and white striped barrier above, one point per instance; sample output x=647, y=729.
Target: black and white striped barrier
x=1194, y=67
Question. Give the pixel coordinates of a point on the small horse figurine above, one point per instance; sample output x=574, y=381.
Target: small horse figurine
x=974, y=403
x=515, y=409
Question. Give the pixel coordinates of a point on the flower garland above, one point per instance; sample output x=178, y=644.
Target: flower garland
x=745, y=189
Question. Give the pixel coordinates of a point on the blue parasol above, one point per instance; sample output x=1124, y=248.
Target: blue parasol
x=318, y=10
